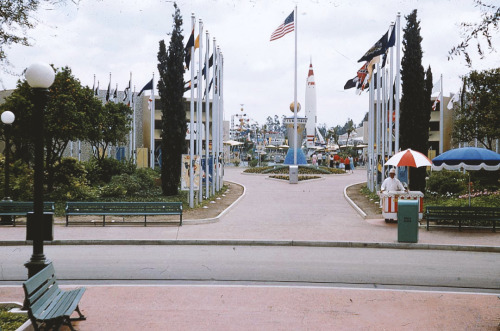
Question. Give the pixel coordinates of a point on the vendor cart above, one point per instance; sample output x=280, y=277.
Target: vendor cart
x=390, y=202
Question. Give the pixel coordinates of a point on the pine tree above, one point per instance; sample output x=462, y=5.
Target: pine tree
x=414, y=127
x=171, y=90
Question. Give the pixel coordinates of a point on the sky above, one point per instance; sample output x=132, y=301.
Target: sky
x=99, y=37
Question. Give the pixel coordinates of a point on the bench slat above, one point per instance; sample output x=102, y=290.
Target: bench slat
x=473, y=214
x=123, y=209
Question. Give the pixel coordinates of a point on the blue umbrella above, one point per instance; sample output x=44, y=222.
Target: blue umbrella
x=468, y=158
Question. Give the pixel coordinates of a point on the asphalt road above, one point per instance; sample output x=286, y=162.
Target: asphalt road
x=263, y=264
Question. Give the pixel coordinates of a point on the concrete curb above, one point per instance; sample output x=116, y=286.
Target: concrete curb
x=241, y=242
x=355, y=206
x=216, y=218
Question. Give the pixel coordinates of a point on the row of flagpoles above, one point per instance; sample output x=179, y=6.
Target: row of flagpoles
x=384, y=90
x=384, y=100
x=203, y=83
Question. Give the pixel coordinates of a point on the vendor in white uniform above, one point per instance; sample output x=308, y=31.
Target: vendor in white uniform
x=391, y=183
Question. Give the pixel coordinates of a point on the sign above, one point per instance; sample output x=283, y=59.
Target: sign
x=185, y=166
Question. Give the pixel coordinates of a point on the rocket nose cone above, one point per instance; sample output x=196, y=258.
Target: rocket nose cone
x=311, y=73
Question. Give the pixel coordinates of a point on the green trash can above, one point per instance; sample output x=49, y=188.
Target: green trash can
x=408, y=221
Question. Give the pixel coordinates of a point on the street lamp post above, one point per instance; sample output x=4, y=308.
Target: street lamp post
x=40, y=77
x=7, y=119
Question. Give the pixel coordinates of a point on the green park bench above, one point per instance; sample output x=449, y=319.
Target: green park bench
x=123, y=208
x=47, y=304
x=21, y=208
x=469, y=216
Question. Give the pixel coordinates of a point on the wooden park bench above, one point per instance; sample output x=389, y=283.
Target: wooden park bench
x=468, y=215
x=47, y=304
x=21, y=208
x=123, y=208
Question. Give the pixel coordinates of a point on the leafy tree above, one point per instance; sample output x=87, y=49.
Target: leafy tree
x=490, y=15
x=334, y=133
x=65, y=118
x=349, y=128
x=171, y=89
x=414, y=128
x=107, y=125
x=478, y=117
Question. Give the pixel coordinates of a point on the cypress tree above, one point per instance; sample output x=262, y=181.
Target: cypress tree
x=171, y=90
x=414, y=129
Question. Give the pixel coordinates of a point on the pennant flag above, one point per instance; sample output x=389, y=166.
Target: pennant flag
x=210, y=64
x=379, y=48
x=126, y=91
x=453, y=99
x=96, y=92
x=285, y=27
x=148, y=86
x=115, y=93
x=188, y=86
x=108, y=91
x=197, y=42
x=187, y=50
x=369, y=68
x=435, y=105
x=436, y=87
x=390, y=43
x=351, y=83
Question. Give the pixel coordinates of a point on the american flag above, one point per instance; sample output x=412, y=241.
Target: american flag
x=284, y=28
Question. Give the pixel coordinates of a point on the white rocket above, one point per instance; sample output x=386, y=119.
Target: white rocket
x=310, y=107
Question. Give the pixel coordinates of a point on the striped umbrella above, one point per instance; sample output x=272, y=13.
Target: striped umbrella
x=409, y=158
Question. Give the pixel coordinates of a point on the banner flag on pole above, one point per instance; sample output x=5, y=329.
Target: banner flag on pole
x=285, y=27
x=436, y=87
x=379, y=48
x=148, y=86
x=453, y=99
x=187, y=49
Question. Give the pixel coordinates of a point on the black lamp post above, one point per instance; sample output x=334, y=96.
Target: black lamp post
x=7, y=119
x=40, y=77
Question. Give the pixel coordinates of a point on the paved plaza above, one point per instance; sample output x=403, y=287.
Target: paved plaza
x=313, y=211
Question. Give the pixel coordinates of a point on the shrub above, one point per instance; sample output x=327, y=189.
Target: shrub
x=101, y=172
x=253, y=163
x=70, y=182
x=447, y=182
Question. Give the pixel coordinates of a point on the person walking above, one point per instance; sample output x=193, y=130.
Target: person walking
x=347, y=164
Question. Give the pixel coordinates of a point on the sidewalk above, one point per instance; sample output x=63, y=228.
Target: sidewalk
x=271, y=210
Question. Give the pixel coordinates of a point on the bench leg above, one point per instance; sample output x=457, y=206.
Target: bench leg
x=67, y=220
x=180, y=224
x=145, y=220
x=80, y=317
x=103, y=220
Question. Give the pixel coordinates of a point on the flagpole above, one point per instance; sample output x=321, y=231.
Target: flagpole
x=152, y=139
x=207, y=120
x=371, y=138
x=134, y=155
x=391, y=92
x=131, y=134
x=191, y=125
x=379, y=119
x=398, y=79
x=441, y=118
x=383, y=121
x=221, y=112
x=215, y=116
x=199, y=117
x=295, y=95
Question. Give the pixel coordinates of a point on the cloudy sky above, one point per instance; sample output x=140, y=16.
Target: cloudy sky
x=99, y=37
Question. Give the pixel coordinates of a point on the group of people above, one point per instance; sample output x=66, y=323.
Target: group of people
x=334, y=161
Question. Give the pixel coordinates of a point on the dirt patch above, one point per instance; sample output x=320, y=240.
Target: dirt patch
x=370, y=208
x=233, y=192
